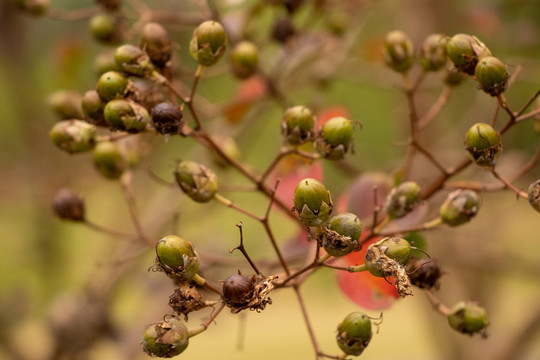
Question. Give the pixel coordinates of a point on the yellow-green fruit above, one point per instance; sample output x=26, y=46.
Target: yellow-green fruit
x=397, y=249
x=73, y=136
x=196, y=180
x=483, y=144
x=354, y=333
x=492, y=75
x=468, y=318
x=165, y=339
x=312, y=202
x=208, y=43
x=465, y=51
x=398, y=51
x=177, y=257
x=244, y=59
x=109, y=160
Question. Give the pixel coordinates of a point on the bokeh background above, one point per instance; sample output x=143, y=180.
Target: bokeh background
x=53, y=271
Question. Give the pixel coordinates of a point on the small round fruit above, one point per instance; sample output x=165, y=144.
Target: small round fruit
x=165, y=339
x=167, y=118
x=177, y=256
x=244, y=59
x=237, y=290
x=534, y=195
x=156, y=42
x=297, y=125
x=348, y=227
x=112, y=85
x=354, y=333
x=398, y=51
x=312, y=202
x=109, y=160
x=196, y=180
x=397, y=249
x=73, y=136
x=208, y=43
x=105, y=28
x=433, y=52
x=492, y=75
x=483, y=144
x=402, y=199
x=459, y=207
x=69, y=205
x=465, y=51
x=468, y=318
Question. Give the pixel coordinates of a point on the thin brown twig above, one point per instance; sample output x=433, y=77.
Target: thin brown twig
x=436, y=303
x=436, y=108
x=243, y=249
x=73, y=15
x=509, y=185
x=125, y=182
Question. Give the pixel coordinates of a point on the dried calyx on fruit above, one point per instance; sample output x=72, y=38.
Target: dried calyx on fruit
x=354, y=333
x=126, y=115
x=165, y=339
x=459, y=207
x=491, y=75
x=68, y=205
x=298, y=125
x=465, y=51
x=196, y=181
x=244, y=59
x=483, y=144
x=208, y=43
x=341, y=234
x=398, y=51
x=402, y=199
x=73, y=136
x=468, y=318
x=241, y=292
x=156, y=42
x=335, y=139
x=312, y=202
x=534, y=195
x=167, y=118
x=177, y=258
x=186, y=298
x=387, y=258
x=133, y=61
x=109, y=160
x=424, y=272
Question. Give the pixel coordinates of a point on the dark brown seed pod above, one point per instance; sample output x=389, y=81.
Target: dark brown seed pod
x=237, y=290
x=68, y=205
x=167, y=118
x=424, y=273
x=283, y=30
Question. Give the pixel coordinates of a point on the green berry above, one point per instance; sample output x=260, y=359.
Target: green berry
x=165, y=339
x=459, y=207
x=534, y=195
x=354, y=333
x=208, y=43
x=133, y=61
x=109, y=160
x=398, y=51
x=345, y=232
x=93, y=106
x=177, y=257
x=244, y=59
x=68, y=205
x=465, y=51
x=196, y=181
x=402, y=199
x=73, y=136
x=483, y=144
x=312, y=202
x=297, y=125
x=468, y=318
x=126, y=115
x=492, y=76
x=104, y=62
x=397, y=249
x=66, y=104
x=112, y=85
x=335, y=138
x=105, y=28
x=156, y=42
x=433, y=52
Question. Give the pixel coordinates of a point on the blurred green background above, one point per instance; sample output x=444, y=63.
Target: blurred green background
x=46, y=264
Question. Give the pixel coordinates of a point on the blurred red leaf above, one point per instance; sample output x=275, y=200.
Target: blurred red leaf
x=247, y=94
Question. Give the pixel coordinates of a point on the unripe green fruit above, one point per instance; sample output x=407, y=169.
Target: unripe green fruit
x=534, y=195
x=433, y=52
x=354, y=333
x=109, y=160
x=335, y=138
x=346, y=225
x=177, y=257
x=402, y=199
x=492, y=76
x=196, y=181
x=244, y=59
x=465, y=51
x=112, y=85
x=312, y=202
x=105, y=28
x=398, y=51
x=165, y=339
x=397, y=249
x=483, y=144
x=126, y=115
x=459, y=207
x=73, y=136
x=132, y=60
x=93, y=106
x=66, y=104
x=297, y=125
x=104, y=62
x=156, y=42
x=468, y=318
x=208, y=43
